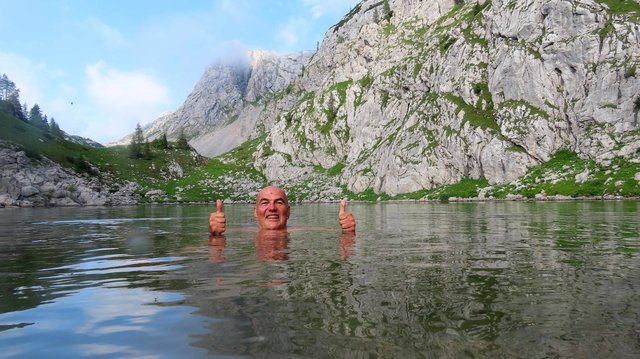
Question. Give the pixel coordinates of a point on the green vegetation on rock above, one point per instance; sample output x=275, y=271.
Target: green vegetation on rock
x=477, y=117
x=567, y=175
x=623, y=7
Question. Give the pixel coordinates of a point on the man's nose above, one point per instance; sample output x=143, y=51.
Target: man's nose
x=271, y=207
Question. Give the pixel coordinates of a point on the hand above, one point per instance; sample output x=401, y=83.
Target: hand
x=217, y=220
x=347, y=222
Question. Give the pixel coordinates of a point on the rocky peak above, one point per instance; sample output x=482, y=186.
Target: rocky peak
x=221, y=111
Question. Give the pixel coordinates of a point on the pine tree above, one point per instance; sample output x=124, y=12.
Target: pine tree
x=135, y=148
x=147, y=154
x=35, y=116
x=162, y=142
x=45, y=124
x=25, y=112
x=55, y=129
x=182, y=143
x=13, y=106
x=7, y=87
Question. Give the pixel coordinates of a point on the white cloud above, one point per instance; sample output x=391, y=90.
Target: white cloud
x=110, y=87
x=119, y=100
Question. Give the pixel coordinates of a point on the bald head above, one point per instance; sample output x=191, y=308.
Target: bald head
x=272, y=208
x=272, y=191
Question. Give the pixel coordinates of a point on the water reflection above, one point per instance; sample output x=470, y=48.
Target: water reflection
x=418, y=280
x=274, y=245
x=216, y=247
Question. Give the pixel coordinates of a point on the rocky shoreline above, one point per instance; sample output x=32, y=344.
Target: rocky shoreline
x=28, y=182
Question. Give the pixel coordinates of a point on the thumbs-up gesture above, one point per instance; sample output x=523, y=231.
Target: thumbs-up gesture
x=217, y=220
x=347, y=222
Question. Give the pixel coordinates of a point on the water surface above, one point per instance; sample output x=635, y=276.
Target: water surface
x=419, y=280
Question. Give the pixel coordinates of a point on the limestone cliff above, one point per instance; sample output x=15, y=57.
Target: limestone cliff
x=435, y=91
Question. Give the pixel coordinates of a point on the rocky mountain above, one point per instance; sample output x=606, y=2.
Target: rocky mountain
x=221, y=111
x=406, y=95
x=82, y=140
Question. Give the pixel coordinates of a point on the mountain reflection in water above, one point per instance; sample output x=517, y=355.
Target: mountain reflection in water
x=512, y=279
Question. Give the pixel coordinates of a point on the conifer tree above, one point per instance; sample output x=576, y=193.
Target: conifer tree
x=147, y=154
x=13, y=106
x=182, y=143
x=7, y=87
x=45, y=124
x=135, y=148
x=162, y=142
x=55, y=129
x=35, y=116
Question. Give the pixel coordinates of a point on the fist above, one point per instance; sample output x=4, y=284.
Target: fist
x=217, y=220
x=346, y=220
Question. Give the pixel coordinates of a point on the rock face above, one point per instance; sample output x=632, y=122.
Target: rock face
x=424, y=93
x=435, y=92
x=221, y=111
x=27, y=183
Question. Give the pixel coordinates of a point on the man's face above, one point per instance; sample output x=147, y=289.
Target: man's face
x=272, y=209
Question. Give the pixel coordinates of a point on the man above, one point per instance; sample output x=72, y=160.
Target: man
x=272, y=212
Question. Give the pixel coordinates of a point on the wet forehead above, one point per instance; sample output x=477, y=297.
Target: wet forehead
x=271, y=193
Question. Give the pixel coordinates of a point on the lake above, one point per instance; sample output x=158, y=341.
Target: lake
x=419, y=280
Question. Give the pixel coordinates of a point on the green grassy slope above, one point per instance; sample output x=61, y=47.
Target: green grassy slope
x=36, y=142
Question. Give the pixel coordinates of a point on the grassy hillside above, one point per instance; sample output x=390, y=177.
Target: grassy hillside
x=229, y=176
x=113, y=163
x=149, y=174
x=35, y=142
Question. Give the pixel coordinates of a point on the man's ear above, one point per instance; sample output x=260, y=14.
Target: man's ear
x=255, y=213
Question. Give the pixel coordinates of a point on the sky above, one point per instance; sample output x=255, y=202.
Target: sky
x=99, y=67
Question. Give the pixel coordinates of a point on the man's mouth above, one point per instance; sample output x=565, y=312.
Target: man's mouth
x=273, y=217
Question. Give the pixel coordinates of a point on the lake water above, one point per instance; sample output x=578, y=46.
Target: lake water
x=419, y=280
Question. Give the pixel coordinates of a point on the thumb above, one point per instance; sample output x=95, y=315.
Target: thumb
x=343, y=206
x=219, y=206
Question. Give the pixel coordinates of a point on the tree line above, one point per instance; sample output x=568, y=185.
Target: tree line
x=10, y=104
x=140, y=147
